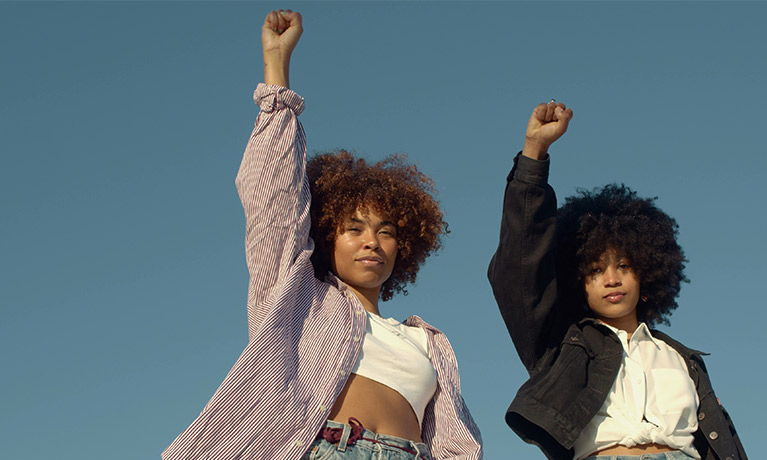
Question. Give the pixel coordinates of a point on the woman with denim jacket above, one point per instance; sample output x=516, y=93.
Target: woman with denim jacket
x=578, y=288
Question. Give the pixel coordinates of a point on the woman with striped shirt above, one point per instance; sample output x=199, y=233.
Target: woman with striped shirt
x=324, y=376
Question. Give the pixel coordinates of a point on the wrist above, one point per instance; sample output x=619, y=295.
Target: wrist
x=277, y=69
x=535, y=150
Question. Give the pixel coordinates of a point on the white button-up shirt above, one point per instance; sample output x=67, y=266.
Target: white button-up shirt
x=653, y=400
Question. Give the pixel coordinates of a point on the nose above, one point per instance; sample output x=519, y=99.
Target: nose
x=371, y=239
x=612, y=277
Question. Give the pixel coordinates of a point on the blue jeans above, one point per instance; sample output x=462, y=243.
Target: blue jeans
x=356, y=443
x=675, y=455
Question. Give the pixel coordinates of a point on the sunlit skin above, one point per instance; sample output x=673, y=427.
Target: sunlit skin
x=611, y=274
x=364, y=254
x=612, y=291
x=364, y=257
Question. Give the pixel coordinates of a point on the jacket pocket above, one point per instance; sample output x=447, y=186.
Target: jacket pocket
x=567, y=375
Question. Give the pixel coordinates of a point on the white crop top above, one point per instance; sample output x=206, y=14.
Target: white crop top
x=397, y=356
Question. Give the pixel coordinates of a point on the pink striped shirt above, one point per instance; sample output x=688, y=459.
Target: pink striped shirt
x=305, y=333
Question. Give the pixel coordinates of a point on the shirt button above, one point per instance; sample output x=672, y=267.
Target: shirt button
x=356, y=338
x=343, y=372
x=713, y=435
x=299, y=443
x=701, y=416
x=728, y=458
x=323, y=408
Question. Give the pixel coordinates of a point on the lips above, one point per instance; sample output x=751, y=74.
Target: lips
x=370, y=260
x=614, y=297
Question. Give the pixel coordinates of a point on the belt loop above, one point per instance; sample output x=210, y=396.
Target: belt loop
x=418, y=454
x=344, y=438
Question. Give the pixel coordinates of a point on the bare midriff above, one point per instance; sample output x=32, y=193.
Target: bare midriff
x=636, y=450
x=377, y=407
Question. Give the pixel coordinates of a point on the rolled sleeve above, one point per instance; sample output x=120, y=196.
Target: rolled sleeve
x=274, y=97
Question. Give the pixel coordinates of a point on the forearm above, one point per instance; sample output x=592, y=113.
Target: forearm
x=277, y=69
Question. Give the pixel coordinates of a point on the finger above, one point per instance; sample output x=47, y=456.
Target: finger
x=282, y=23
x=558, y=108
x=563, y=114
x=294, y=18
x=539, y=113
x=270, y=21
x=563, y=119
x=550, y=107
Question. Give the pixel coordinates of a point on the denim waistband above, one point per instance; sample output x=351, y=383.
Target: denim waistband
x=674, y=455
x=348, y=434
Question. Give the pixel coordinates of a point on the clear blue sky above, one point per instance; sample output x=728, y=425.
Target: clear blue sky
x=123, y=284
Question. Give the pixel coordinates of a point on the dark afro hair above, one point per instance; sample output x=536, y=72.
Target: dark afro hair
x=613, y=217
x=341, y=184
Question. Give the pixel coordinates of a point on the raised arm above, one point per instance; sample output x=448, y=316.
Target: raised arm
x=279, y=36
x=522, y=271
x=271, y=180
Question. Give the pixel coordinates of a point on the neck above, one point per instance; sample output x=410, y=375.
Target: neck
x=368, y=297
x=627, y=324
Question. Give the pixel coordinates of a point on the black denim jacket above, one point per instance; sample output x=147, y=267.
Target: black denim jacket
x=572, y=361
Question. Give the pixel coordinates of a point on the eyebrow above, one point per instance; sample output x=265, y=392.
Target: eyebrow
x=360, y=221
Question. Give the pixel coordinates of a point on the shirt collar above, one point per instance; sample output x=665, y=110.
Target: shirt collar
x=642, y=333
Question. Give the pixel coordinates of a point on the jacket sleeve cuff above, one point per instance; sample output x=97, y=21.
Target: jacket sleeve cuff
x=274, y=97
x=528, y=170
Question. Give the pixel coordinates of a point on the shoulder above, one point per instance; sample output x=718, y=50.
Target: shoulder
x=417, y=321
x=597, y=340
x=682, y=349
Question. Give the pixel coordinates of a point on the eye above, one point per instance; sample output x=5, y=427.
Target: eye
x=353, y=229
x=386, y=232
x=624, y=266
x=595, y=271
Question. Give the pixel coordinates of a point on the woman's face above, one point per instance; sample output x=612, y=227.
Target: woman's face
x=612, y=290
x=364, y=252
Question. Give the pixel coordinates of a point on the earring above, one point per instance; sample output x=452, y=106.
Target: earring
x=644, y=298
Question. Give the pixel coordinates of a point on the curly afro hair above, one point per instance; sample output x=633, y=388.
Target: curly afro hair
x=614, y=218
x=341, y=184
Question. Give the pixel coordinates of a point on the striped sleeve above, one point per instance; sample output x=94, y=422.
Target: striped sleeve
x=448, y=427
x=275, y=196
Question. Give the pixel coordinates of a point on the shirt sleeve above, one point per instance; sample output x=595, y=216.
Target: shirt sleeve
x=522, y=271
x=275, y=195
